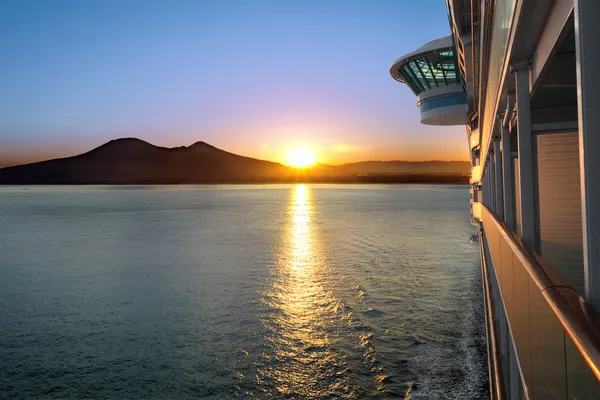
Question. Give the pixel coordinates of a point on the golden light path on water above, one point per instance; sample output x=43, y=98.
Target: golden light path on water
x=302, y=361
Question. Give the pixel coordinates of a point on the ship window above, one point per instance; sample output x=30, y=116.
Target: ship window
x=430, y=71
x=427, y=73
x=410, y=81
x=437, y=75
x=419, y=74
x=416, y=83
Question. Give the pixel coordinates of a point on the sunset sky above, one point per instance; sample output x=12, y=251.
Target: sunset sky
x=257, y=78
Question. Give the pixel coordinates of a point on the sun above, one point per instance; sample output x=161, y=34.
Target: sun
x=300, y=158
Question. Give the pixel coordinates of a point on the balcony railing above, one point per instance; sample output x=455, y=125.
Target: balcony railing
x=554, y=332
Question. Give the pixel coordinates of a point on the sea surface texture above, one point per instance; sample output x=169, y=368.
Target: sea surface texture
x=240, y=292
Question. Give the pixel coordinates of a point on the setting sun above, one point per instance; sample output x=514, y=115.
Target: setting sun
x=300, y=158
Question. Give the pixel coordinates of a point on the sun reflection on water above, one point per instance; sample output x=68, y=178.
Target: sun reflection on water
x=301, y=362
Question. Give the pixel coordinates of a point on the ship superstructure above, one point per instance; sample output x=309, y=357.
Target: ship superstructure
x=523, y=76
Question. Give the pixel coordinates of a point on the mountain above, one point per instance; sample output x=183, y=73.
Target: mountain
x=134, y=161
x=130, y=160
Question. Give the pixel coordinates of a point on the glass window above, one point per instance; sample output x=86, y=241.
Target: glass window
x=430, y=71
x=445, y=62
x=419, y=74
x=438, y=72
x=424, y=65
x=416, y=83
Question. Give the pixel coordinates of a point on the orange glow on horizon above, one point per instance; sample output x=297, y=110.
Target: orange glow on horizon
x=329, y=148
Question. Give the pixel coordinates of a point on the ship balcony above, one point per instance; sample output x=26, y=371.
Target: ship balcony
x=476, y=211
x=546, y=336
x=475, y=175
x=474, y=139
x=431, y=72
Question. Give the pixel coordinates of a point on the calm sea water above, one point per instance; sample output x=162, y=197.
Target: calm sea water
x=228, y=292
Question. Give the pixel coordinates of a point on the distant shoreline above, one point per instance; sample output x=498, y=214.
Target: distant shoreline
x=131, y=161
x=362, y=182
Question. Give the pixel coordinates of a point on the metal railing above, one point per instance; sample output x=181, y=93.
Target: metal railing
x=555, y=332
x=495, y=369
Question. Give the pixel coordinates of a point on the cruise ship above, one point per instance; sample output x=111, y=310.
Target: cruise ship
x=523, y=76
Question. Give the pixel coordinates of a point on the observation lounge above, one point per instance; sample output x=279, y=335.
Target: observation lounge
x=431, y=73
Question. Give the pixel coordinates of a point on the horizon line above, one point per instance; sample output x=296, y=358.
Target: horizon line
x=7, y=164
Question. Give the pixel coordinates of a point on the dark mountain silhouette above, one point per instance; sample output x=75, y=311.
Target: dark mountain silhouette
x=131, y=160
x=134, y=161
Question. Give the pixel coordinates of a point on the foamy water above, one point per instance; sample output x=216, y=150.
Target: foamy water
x=266, y=292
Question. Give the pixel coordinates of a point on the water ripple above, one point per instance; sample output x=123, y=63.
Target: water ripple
x=265, y=292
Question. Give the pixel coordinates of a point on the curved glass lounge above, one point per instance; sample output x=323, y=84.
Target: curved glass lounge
x=432, y=74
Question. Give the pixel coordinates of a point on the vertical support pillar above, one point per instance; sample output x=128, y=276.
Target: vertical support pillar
x=527, y=200
x=587, y=31
x=486, y=197
x=507, y=178
x=487, y=189
x=483, y=191
x=492, y=182
x=498, y=177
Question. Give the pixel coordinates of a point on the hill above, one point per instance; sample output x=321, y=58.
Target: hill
x=134, y=161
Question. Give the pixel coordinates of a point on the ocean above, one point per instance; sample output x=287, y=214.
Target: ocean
x=240, y=292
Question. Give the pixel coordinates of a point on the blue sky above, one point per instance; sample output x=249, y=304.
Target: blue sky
x=253, y=77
